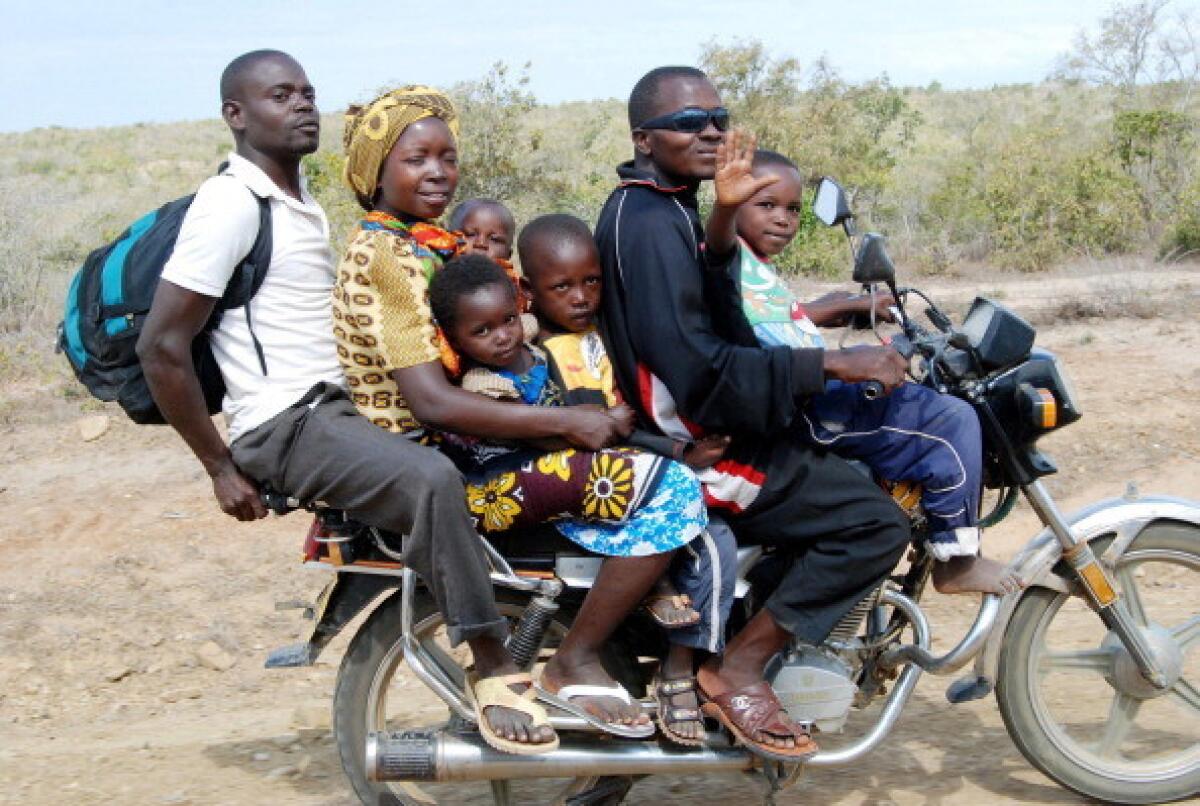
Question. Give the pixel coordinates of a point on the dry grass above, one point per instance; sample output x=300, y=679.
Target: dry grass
x=65, y=192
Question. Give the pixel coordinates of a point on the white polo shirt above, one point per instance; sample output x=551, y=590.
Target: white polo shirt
x=292, y=311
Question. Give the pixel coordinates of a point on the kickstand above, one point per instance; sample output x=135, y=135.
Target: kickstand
x=502, y=793
x=777, y=777
x=608, y=790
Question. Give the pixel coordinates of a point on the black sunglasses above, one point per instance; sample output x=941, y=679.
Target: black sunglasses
x=692, y=120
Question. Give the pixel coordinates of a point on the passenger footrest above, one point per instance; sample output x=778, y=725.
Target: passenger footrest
x=291, y=656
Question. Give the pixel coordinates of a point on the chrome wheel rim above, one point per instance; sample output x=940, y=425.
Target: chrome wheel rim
x=1083, y=695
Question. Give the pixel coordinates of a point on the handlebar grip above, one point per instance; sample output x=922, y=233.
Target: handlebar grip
x=872, y=390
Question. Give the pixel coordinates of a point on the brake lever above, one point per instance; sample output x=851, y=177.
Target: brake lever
x=939, y=319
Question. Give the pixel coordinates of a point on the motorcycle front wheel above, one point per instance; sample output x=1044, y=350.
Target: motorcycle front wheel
x=1067, y=694
x=371, y=696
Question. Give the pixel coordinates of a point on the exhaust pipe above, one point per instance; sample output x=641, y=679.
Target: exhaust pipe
x=438, y=756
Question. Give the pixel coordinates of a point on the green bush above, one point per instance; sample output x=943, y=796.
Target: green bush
x=1028, y=202
x=856, y=133
x=1023, y=176
x=1182, y=238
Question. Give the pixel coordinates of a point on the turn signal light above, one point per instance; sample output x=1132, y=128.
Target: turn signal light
x=1038, y=405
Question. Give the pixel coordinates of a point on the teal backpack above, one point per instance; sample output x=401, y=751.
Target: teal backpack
x=109, y=298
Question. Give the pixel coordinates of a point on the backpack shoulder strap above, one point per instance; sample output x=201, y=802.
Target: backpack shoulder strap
x=250, y=273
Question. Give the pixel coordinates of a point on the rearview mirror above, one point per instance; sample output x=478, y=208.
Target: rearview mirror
x=872, y=264
x=830, y=205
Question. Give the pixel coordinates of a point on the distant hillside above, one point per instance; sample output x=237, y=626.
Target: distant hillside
x=1019, y=176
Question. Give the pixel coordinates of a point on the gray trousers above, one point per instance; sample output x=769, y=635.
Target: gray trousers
x=322, y=449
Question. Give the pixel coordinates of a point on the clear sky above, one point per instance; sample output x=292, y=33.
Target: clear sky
x=70, y=63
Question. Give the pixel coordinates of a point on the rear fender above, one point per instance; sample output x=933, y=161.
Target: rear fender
x=343, y=598
x=1035, y=562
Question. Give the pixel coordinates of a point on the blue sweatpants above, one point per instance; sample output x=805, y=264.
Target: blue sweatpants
x=706, y=570
x=916, y=435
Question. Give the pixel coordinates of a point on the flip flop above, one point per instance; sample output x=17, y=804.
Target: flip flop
x=562, y=699
x=668, y=716
x=753, y=709
x=494, y=692
x=678, y=601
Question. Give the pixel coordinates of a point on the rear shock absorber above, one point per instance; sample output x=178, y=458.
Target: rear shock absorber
x=527, y=638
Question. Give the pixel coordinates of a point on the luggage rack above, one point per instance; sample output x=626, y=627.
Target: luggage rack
x=337, y=542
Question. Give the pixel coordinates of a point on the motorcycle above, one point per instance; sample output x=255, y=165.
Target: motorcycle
x=1094, y=643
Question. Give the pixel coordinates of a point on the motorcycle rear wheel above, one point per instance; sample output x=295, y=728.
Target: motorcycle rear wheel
x=365, y=681
x=1082, y=721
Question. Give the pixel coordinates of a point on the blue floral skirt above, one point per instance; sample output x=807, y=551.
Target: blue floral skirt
x=619, y=502
x=674, y=516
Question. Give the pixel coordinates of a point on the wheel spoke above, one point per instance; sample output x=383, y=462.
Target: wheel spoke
x=1121, y=714
x=1187, y=633
x=1098, y=661
x=1131, y=594
x=1185, y=694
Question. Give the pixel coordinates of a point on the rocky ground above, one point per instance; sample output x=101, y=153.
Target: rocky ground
x=134, y=617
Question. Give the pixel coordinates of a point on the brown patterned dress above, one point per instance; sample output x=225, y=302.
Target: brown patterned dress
x=383, y=322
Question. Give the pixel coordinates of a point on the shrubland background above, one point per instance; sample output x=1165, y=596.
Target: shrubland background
x=1099, y=159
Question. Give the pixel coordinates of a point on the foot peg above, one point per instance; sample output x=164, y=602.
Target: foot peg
x=291, y=656
x=966, y=689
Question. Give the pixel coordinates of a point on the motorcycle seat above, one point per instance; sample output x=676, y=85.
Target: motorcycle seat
x=339, y=538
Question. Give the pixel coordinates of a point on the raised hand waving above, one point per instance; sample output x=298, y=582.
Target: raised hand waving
x=734, y=181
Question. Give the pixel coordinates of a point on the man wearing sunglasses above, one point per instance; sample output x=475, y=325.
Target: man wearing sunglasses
x=686, y=357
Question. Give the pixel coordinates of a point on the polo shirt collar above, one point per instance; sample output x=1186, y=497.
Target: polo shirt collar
x=262, y=185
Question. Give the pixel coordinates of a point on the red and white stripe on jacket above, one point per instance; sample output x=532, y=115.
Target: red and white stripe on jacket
x=728, y=485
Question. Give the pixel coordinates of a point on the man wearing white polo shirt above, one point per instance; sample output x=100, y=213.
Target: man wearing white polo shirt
x=290, y=422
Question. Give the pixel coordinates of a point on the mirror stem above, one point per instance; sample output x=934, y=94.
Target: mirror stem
x=891, y=284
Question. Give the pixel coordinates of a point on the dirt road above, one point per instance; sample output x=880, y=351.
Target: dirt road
x=134, y=617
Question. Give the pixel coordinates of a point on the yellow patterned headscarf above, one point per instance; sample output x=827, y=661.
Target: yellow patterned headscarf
x=372, y=130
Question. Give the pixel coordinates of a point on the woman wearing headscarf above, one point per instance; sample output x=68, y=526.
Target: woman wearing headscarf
x=402, y=164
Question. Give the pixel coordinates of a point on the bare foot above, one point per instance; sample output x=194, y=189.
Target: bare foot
x=975, y=575
x=558, y=674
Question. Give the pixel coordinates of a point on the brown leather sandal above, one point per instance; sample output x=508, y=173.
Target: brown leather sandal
x=755, y=710
x=669, y=716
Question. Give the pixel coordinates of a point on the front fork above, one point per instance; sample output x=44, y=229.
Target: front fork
x=1096, y=581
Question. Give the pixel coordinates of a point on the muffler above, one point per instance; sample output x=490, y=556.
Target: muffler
x=439, y=756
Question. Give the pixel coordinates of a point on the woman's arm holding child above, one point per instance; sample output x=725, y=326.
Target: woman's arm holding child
x=439, y=404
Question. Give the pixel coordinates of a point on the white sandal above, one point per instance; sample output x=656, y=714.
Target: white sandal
x=562, y=699
x=494, y=692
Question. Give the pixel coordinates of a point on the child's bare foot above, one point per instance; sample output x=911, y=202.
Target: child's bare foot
x=705, y=452
x=975, y=575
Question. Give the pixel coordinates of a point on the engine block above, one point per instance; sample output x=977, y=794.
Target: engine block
x=815, y=686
